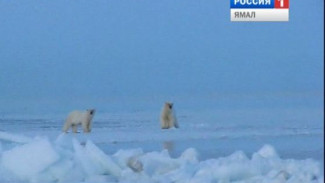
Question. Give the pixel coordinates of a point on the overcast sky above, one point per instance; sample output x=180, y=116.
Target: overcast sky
x=116, y=48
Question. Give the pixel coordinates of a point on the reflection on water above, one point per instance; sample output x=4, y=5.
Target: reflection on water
x=169, y=146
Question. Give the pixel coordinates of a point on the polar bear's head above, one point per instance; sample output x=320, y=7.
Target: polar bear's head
x=91, y=112
x=169, y=105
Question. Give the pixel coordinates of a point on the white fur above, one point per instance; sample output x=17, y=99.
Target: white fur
x=168, y=117
x=83, y=118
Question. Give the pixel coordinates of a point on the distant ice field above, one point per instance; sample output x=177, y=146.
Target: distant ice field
x=295, y=133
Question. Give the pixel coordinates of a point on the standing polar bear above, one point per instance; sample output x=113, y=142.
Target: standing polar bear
x=168, y=116
x=76, y=118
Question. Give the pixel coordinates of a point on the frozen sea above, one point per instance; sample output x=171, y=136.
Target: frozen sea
x=290, y=139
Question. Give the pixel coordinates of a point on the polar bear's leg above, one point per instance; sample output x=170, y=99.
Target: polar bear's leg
x=164, y=124
x=170, y=123
x=66, y=127
x=89, y=126
x=85, y=127
x=74, y=128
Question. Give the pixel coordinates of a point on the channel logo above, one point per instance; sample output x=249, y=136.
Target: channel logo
x=259, y=10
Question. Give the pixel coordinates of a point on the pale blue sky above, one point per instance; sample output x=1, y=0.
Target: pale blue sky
x=146, y=48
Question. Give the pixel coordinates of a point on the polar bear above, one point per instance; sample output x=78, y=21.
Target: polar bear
x=76, y=118
x=168, y=116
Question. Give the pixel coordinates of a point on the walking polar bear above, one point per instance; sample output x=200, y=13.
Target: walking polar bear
x=76, y=118
x=168, y=116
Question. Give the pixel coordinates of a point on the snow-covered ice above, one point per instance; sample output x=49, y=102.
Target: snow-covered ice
x=224, y=146
x=69, y=159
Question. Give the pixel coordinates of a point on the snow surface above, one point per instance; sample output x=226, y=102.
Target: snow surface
x=225, y=146
x=69, y=159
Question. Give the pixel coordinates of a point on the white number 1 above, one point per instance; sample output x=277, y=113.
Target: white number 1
x=281, y=3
